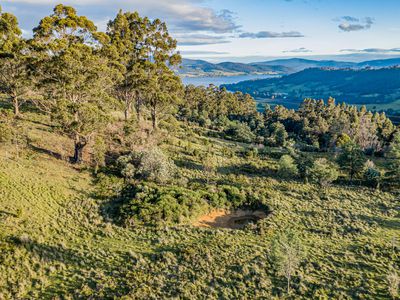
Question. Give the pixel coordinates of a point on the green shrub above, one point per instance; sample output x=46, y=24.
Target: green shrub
x=152, y=205
x=278, y=134
x=251, y=152
x=151, y=165
x=287, y=167
x=304, y=165
x=323, y=172
x=240, y=132
x=352, y=159
x=372, y=175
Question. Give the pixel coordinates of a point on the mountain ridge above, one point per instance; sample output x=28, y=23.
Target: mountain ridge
x=200, y=68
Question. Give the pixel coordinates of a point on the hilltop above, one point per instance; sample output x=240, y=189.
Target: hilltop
x=197, y=68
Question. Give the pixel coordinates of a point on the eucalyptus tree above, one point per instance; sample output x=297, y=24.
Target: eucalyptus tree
x=129, y=43
x=164, y=89
x=14, y=55
x=144, y=52
x=352, y=159
x=75, y=76
x=163, y=93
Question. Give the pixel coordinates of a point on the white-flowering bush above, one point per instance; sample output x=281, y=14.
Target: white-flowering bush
x=148, y=164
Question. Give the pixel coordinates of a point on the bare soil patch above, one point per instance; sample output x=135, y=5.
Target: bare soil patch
x=236, y=219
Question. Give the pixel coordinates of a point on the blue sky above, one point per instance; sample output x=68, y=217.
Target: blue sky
x=251, y=30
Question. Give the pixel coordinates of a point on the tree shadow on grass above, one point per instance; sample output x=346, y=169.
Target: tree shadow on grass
x=76, y=262
x=46, y=151
x=246, y=169
x=188, y=164
x=393, y=223
x=100, y=273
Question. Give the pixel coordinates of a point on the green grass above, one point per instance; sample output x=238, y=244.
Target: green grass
x=56, y=243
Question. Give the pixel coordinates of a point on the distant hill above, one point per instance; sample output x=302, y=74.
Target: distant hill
x=380, y=63
x=197, y=68
x=355, y=86
x=299, y=64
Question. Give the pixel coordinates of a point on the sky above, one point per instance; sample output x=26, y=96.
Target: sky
x=251, y=30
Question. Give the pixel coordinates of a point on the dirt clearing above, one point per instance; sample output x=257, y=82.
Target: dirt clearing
x=236, y=219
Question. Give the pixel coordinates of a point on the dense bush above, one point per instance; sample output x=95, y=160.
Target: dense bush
x=240, y=132
x=152, y=205
x=304, y=164
x=287, y=167
x=351, y=159
x=372, y=175
x=323, y=172
x=278, y=134
x=149, y=164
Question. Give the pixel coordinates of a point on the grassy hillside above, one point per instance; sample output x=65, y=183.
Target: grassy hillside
x=57, y=240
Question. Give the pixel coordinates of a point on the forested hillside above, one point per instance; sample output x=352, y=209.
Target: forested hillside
x=365, y=86
x=118, y=182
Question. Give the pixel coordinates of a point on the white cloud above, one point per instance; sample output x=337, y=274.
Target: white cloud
x=354, y=24
x=373, y=50
x=298, y=50
x=189, y=21
x=200, y=39
x=270, y=35
x=183, y=15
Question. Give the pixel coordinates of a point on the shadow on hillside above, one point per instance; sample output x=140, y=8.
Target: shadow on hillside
x=247, y=170
x=37, y=122
x=59, y=253
x=76, y=262
x=5, y=105
x=188, y=164
x=5, y=214
x=393, y=223
x=46, y=151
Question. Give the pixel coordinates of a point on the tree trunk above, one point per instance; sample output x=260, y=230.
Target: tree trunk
x=126, y=114
x=288, y=285
x=78, y=151
x=154, y=118
x=138, y=108
x=16, y=106
x=128, y=108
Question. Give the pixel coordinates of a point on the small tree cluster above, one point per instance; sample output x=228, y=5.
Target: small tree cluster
x=149, y=164
x=287, y=167
x=323, y=172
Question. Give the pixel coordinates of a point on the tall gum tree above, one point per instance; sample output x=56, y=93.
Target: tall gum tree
x=14, y=55
x=75, y=75
x=145, y=52
x=165, y=88
x=128, y=34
